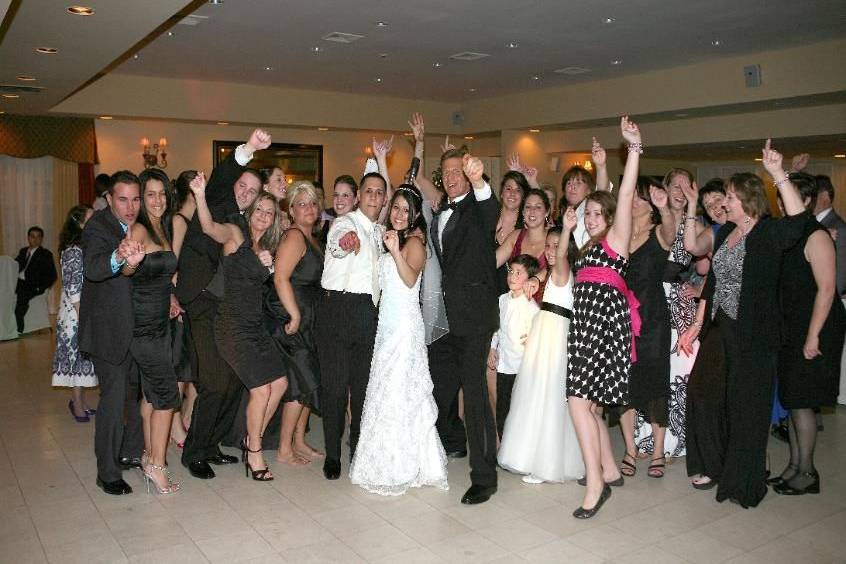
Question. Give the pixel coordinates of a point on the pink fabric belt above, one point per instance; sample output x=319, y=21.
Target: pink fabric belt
x=609, y=276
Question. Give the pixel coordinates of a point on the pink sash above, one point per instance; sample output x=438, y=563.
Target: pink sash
x=609, y=276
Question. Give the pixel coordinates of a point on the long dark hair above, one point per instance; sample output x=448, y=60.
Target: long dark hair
x=414, y=199
x=520, y=180
x=181, y=188
x=642, y=189
x=72, y=229
x=572, y=247
x=144, y=218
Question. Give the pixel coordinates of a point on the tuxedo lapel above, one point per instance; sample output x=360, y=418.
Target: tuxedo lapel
x=454, y=220
x=433, y=235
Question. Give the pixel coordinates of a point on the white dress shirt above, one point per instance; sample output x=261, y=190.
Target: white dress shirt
x=515, y=319
x=481, y=194
x=29, y=253
x=821, y=216
x=347, y=271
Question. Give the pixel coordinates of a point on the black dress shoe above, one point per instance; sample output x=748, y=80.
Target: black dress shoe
x=220, y=459
x=478, y=494
x=128, y=462
x=332, y=469
x=201, y=470
x=461, y=453
x=616, y=483
x=582, y=513
x=784, y=488
x=118, y=487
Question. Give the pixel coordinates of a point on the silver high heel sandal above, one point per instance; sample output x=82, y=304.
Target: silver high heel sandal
x=172, y=487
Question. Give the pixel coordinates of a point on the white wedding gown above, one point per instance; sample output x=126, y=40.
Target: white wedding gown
x=399, y=447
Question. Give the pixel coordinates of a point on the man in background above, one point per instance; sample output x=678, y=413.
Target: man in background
x=36, y=273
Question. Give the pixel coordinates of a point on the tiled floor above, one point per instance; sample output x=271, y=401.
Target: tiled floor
x=50, y=509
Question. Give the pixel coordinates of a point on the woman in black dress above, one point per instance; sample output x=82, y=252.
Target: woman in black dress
x=809, y=360
x=151, y=345
x=649, y=381
x=743, y=301
x=241, y=337
x=290, y=310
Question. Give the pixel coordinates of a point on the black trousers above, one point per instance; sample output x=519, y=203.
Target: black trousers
x=504, y=386
x=22, y=304
x=459, y=362
x=218, y=388
x=345, y=331
x=117, y=427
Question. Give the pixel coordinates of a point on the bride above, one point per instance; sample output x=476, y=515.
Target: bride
x=399, y=447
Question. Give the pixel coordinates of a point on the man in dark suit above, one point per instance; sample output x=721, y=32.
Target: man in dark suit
x=106, y=319
x=231, y=189
x=36, y=273
x=463, y=237
x=835, y=225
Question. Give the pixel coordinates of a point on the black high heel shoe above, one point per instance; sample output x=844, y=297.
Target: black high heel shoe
x=262, y=475
x=779, y=481
x=785, y=488
x=582, y=513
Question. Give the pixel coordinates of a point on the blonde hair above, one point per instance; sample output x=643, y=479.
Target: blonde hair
x=302, y=187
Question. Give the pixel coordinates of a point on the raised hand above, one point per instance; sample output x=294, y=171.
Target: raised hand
x=382, y=148
x=350, y=242
x=531, y=174
x=772, y=160
x=265, y=258
x=630, y=130
x=260, y=139
x=473, y=169
x=447, y=146
x=799, y=162
x=570, y=220
x=198, y=185
x=513, y=162
x=134, y=251
x=690, y=191
x=597, y=153
x=658, y=197
x=417, y=127
x=391, y=239
x=531, y=286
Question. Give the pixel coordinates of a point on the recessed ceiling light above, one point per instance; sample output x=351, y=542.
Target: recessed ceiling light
x=46, y=50
x=436, y=65
x=223, y=123
x=11, y=96
x=716, y=42
x=608, y=20
x=408, y=134
x=535, y=77
x=741, y=146
x=469, y=137
x=617, y=62
x=572, y=70
x=268, y=68
x=381, y=24
x=471, y=90
x=106, y=117
x=315, y=49
x=216, y=2
x=80, y=10
x=759, y=159
x=534, y=131
x=512, y=45
x=170, y=34
x=25, y=78
x=378, y=79
x=383, y=55
x=840, y=156
x=136, y=56
x=322, y=129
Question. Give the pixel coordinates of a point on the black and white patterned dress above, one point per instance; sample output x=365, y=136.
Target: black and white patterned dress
x=600, y=340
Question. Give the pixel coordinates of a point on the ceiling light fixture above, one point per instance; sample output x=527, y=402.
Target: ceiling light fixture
x=11, y=96
x=469, y=137
x=80, y=10
x=408, y=134
x=436, y=65
x=840, y=156
x=223, y=123
x=512, y=45
x=759, y=159
x=716, y=42
x=46, y=50
x=616, y=62
x=322, y=129
x=268, y=68
x=25, y=78
x=608, y=20
x=136, y=56
x=471, y=90
x=379, y=79
x=106, y=117
x=216, y=2
x=315, y=49
x=535, y=77
x=170, y=34
x=381, y=24
x=383, y=55
x=534, y=131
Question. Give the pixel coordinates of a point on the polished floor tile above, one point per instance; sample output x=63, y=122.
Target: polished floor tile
x=51, y=510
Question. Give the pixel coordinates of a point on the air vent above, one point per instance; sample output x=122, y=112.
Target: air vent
x=571, y=70
x=20, y=89
x=192, y=20
x=468, y=56
x=339, y=37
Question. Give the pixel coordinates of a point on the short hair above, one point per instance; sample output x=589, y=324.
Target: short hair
x=256, y=173
x=452, y=154
x=122, y=177
x=348, y=180
x=374, y=175
x=36, y=229
x=749, y=189
x=824, y=185
x=806, y=184
x=301, y=187
x=101, y=184
x=579, y=172
x=528, y=262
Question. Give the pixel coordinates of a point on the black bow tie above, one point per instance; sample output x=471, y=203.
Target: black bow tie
x=446, y=205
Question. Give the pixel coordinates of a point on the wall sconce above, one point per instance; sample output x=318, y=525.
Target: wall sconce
x=588, y=164
x=155, y=156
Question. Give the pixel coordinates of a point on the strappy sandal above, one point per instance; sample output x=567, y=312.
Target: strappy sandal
x=628, y=469
x=656, y=470
x=261, y=475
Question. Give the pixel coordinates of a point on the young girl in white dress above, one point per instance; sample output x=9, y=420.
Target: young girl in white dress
x=539, y=439
x=399, y=446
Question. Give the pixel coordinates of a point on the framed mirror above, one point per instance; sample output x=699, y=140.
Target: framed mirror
x=299, y=162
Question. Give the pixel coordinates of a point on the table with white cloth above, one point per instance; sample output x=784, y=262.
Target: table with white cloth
x=36, y=317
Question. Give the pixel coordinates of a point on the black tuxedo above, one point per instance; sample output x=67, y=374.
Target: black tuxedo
x=835, y=222
x=458, y=359
x=218, y=388
x=106, y=319
x=39, y=275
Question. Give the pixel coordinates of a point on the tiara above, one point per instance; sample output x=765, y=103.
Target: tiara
x=410, y=190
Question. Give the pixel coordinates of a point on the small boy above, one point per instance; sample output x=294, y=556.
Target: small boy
x=516, y=313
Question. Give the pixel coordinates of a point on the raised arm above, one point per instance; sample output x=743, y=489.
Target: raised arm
x=561, y=269
x=621, y=231
x=789, y=194
x=217, y=231
x=225, y=174
x=700, y=241
x=600, y=161
x=667, y=227
x=291, y=249
x=531, y=173
x=380, y=152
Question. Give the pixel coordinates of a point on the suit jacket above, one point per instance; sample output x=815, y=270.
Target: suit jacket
x=106, y=315
x=835, y=222
x=468, y=263
x=200, y=254
x=39, y=275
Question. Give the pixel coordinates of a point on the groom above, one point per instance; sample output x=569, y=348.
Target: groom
x=463, y=237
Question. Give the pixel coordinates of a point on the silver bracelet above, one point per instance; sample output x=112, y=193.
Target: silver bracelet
x=778, y=183
x=636, y=147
